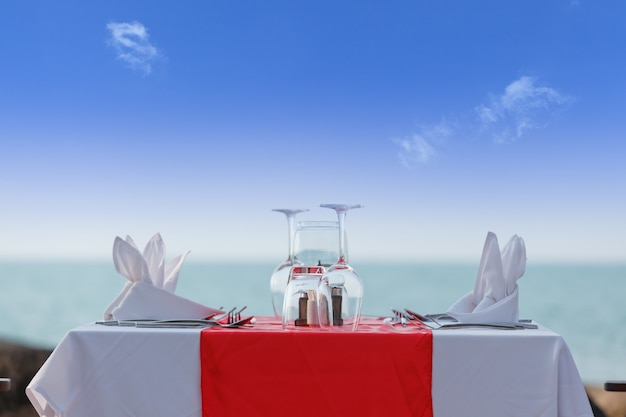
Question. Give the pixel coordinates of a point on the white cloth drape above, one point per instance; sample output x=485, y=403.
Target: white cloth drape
x=101, y=371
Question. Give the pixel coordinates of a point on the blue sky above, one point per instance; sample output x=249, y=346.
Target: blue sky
x=445, y=119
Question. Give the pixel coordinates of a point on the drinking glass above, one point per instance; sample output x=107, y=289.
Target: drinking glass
x=345, y=284
x=307, y=299
x=280, y=276
x=316, y=243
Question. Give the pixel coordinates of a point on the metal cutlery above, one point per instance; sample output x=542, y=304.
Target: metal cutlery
x=177, y=323
x=404, y=319
x=196, y=323
x=432, y=323
x=233, y=320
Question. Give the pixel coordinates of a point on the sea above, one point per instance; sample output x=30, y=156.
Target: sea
x=584, y=303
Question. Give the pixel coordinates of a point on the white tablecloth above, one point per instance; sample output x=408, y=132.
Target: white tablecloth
x=502, y=373
x=101, y=371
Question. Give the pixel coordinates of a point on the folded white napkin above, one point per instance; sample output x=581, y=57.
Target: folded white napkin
x=495, y=296
x=145, y=301
x=149, y=266
x=149, y=294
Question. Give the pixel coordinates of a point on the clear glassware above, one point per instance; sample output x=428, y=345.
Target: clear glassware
x=345, y=284
x=280, y=276
x=307, y=299
x=316, y=243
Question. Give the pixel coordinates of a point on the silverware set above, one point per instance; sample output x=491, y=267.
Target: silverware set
x=406, y=317
x=229, y=319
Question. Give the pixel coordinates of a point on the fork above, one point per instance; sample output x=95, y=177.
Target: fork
x=401, y=317
x=456, y=325
x=195, y=323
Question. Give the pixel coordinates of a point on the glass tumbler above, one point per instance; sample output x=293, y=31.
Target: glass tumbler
x=307, y=302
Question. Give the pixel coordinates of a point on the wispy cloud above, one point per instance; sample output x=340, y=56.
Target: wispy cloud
x=524, y=105
x=421, y=147
x=132, y=45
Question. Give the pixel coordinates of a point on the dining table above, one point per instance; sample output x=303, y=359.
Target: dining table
x=385, y=368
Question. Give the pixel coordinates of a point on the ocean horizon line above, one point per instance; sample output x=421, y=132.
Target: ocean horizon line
x=354, y=261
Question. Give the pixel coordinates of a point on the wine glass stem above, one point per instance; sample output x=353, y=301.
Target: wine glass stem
x=341, y=217
x=290, y=227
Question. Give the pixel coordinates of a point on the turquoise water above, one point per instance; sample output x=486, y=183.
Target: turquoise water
x=583, y=303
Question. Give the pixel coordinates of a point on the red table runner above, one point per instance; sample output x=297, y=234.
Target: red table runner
x=266, y=371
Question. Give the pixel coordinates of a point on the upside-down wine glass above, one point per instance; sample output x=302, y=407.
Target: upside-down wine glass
x=280, y=276
x=316, y=243
x=346, y=285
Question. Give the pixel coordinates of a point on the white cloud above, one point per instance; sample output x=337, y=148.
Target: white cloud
x=132, y=45
x=523, y=106
x=421, y=147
